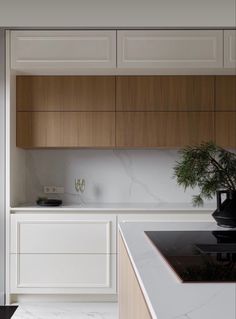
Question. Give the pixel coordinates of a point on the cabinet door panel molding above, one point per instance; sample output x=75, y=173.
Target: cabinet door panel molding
x=63, y=234
x=63, y=273
x=77, y=253
x=170, y=49
x=230, y=49
x=108, y=51
x=63, y=49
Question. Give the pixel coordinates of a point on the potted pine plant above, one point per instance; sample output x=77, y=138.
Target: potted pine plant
x=213, y=170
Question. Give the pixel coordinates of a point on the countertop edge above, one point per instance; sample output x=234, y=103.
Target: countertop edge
x=144, y=292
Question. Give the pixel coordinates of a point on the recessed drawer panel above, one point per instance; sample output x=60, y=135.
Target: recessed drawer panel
x=63, y=49
x=65, y=234
x=170, y=49
x=63, y=272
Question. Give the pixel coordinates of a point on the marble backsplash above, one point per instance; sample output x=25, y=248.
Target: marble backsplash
x=111, y=176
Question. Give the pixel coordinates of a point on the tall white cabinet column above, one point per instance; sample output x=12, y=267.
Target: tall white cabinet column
x=2, y=166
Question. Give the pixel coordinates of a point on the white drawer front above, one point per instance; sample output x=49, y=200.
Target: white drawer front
x=63, y=273
x=230, y=49
x=170, y=49
x=63, y=234
x=62, y=49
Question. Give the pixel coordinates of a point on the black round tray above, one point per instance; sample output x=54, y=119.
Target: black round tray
x=49, y=202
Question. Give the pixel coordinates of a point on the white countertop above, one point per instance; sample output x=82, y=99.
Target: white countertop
x=175, y=207
x=166, y=296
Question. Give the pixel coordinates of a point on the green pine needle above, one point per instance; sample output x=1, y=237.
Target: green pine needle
x=208, y=167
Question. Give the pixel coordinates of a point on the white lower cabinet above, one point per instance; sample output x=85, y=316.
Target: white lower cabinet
x=63, y=273
x=64, y=253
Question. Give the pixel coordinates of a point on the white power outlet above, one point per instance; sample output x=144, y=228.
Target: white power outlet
x=53, y=190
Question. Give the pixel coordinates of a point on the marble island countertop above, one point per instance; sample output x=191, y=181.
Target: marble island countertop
x=173, y=207
x=166, y=296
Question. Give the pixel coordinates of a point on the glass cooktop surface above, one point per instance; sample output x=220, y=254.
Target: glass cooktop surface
x=198, y=256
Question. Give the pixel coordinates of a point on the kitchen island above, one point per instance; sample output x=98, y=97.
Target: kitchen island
x=155, y=291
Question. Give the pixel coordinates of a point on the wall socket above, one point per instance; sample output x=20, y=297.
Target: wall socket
x=53, y=190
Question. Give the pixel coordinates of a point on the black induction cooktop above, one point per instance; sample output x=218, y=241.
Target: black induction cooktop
x=198, y=256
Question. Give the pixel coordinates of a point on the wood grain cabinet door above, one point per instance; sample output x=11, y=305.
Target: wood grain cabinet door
x=225, y=115
x=165, y=93
x=65, y=93
x=163, y=129
x=226, y=93
x=225, y=129
x=65, y=129
x=132, y=304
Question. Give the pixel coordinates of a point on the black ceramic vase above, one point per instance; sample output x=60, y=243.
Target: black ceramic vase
x=225, y=214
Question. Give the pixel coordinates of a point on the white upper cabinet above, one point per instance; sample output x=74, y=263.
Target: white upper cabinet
x=112, y=52
x=230, y=48
x=63, y=49
x=170, y=49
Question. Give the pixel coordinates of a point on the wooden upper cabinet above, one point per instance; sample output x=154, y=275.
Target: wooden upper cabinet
x=65, y=129
x=225, y=129
x=64, y=50
x=226, y=93
x=65, y=93
x=163, y=129
x=170, y=49
x=165, y=93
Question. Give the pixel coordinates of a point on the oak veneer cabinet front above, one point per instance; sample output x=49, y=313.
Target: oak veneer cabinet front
x=165, y=93
x=132, y=304
x=225, y=115
x=65, y=93
x=225, y=129
x=226, y=93
x=65, y=129
x=163, y=129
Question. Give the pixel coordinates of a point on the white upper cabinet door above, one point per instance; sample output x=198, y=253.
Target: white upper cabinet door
x=230, y=48
x=170, y=49
x=63, y=49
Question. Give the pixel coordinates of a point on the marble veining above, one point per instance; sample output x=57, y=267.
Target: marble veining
x=67, y=311
x=165, y=295
x=112, y=176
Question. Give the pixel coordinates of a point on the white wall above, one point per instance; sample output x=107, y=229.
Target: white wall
x=117, y=13
x=119, y=176
x=2, y=168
